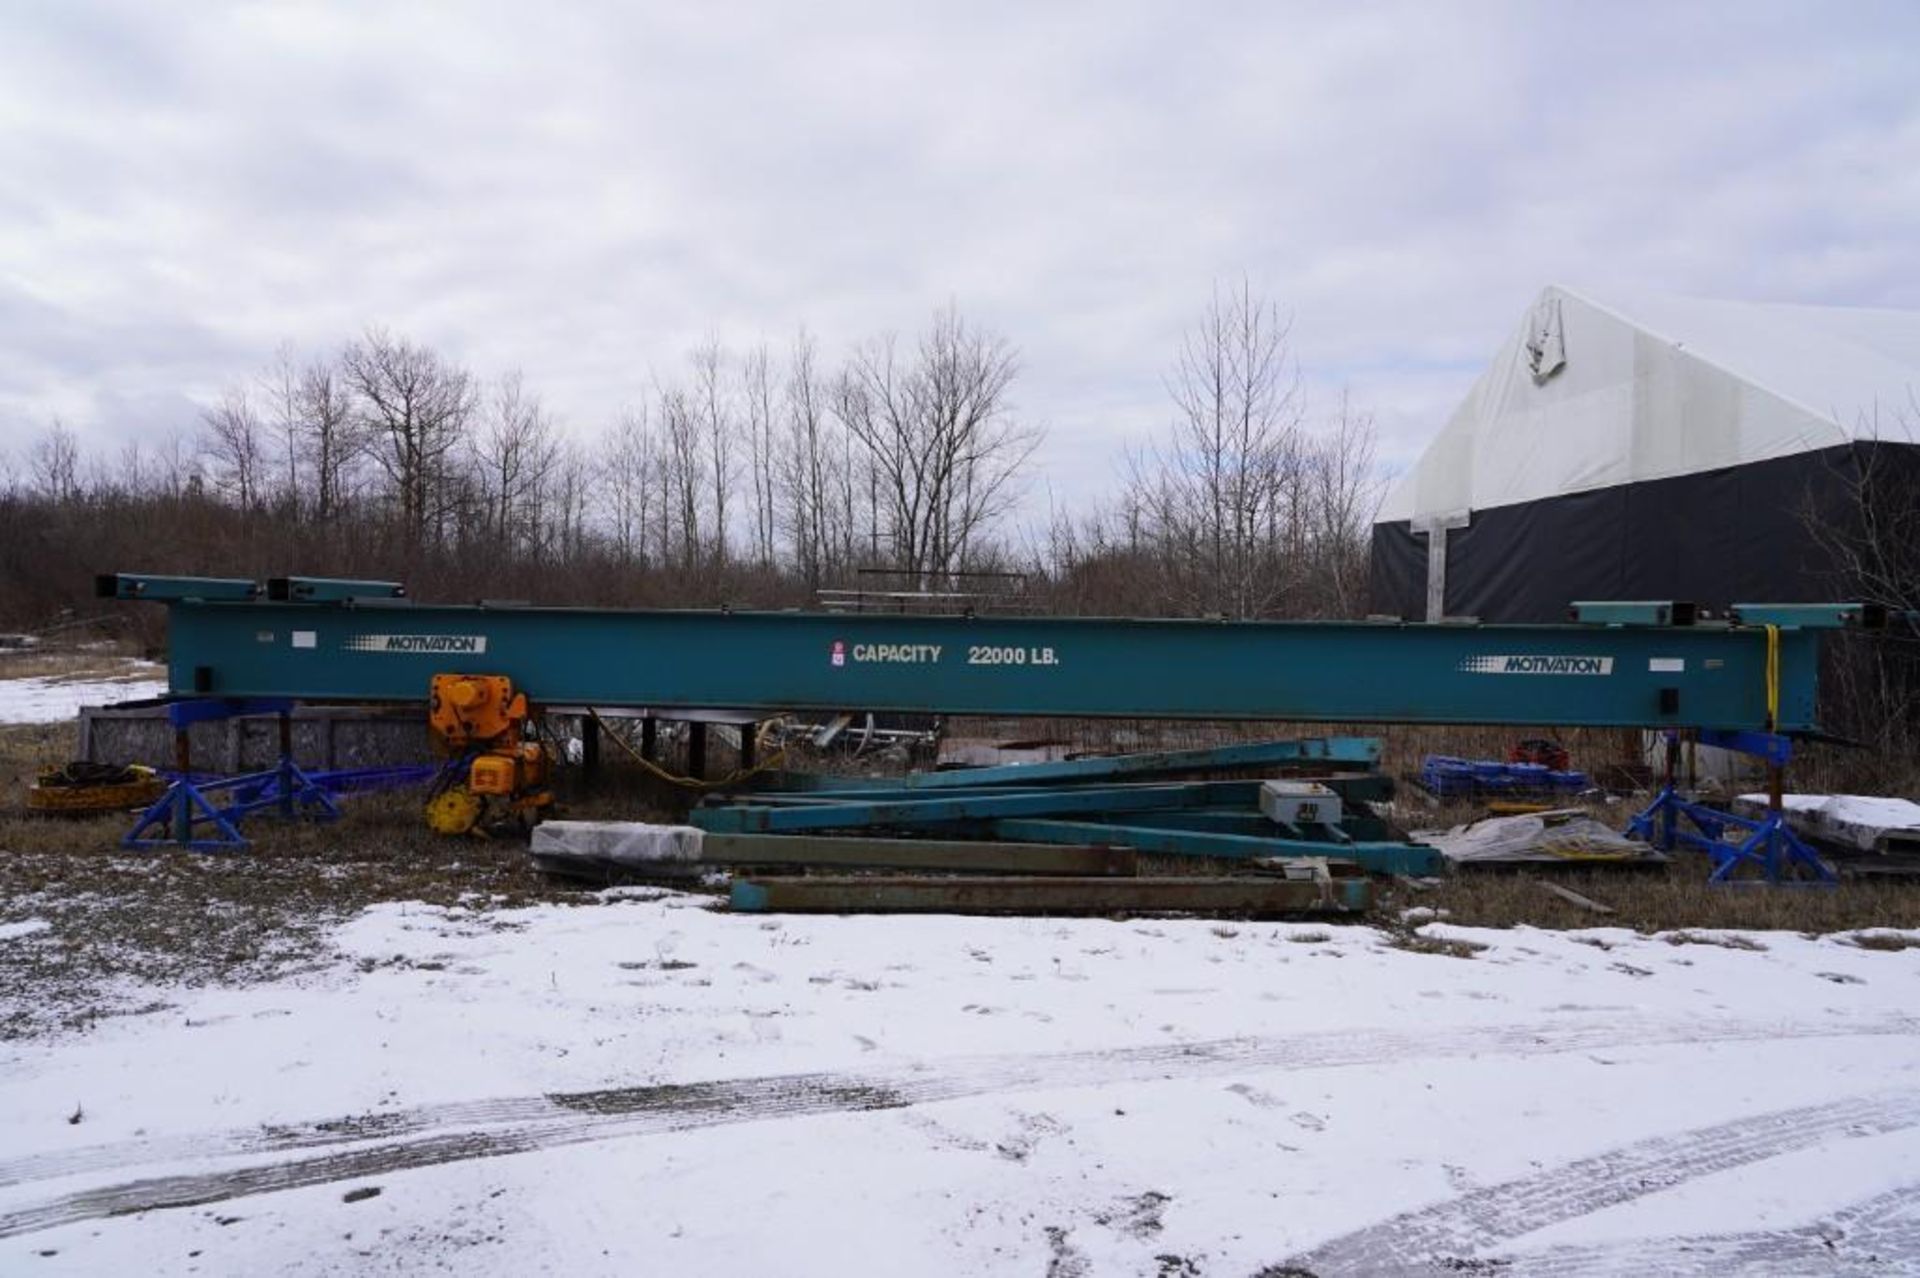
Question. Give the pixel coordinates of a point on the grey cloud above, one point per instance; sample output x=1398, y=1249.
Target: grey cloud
x=584, y=193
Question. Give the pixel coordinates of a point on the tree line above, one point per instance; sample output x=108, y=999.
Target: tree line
x=751, y=476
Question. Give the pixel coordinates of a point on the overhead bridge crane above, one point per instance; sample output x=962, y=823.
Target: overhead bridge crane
x=1746, y=680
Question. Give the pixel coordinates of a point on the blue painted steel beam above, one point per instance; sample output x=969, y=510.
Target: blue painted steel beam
x=743, y=818
x=183, y=714
x=1664, y=612
x=1360, y=752
x=1822, y=616
x=1210, y=821
x=331, y=589
x=1769, y=746
x=1710, y=676
x=160, y=589
x=1355, y=787
x=1375, y=858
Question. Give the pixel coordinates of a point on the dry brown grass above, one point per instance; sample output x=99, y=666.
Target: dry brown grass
x=1674, y=898
x=1891, y=942
x=27, y=747
x=1730, y=942
x=1421, y=943
x=104, y=662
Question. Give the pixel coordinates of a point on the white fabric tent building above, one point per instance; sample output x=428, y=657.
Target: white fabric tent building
x=1652, y=448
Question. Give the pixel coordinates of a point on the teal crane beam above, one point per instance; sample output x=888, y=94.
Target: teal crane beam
x=357, y=642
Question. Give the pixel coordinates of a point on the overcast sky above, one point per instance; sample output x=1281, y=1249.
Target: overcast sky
x=582, y=191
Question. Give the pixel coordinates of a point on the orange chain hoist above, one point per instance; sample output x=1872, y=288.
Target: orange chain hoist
x=511, y=771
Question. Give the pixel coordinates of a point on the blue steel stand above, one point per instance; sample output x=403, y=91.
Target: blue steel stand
x=187, y=810
x=1769, y=845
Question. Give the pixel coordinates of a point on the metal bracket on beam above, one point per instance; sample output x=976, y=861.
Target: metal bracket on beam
x=1771, y=747
x=1863, y=616
x=1663, y=612
x=330, y=589
x=138, y=585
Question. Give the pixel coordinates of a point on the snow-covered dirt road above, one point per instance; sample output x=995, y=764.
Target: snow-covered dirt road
x=640, y=1085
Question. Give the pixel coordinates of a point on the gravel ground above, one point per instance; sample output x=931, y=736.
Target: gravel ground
x=123, y=926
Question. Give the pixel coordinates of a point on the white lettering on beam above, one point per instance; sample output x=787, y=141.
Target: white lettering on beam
x=899, y=654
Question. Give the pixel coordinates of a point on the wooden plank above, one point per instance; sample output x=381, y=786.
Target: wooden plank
x=1571, y=897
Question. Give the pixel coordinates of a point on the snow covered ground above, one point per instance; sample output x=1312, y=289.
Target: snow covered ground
x=641, y=1085
x=52, y=698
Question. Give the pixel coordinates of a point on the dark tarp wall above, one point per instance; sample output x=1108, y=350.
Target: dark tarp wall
x=1714, y=538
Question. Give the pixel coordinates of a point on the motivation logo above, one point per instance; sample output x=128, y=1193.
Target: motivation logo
x=463, y=644
x=1537, y=665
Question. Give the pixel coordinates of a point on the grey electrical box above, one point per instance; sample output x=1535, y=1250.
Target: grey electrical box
x=1299, y=803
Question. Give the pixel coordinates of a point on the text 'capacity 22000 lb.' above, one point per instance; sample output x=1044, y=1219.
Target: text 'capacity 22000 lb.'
x=927, y=654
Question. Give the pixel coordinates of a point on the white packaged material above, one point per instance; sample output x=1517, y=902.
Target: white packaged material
x=1868, y=822
x=631, y=843
x=1564, y=835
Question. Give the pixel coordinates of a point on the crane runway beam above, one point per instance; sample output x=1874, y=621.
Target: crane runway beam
x=159, y=589
x=1711, y=675
x=331, y=589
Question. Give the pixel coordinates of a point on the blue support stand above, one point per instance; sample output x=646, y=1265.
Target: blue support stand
x=189, y=814
x=1769, y=845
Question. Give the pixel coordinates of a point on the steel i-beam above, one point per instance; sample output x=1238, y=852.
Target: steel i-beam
x=1708, y=675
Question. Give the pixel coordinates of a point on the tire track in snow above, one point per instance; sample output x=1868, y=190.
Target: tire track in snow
x=1876, y=1236
x=1306, y=1051
x=1462, y=1232
x=464, y=1131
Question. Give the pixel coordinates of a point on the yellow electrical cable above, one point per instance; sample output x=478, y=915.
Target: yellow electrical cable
x=1773, y=677
x=694, y=783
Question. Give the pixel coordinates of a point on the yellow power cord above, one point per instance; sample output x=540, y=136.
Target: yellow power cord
x=1773, y=677
x=695, y=783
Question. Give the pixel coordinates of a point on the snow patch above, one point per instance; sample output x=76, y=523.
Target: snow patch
x=53, y=698
x=931, y=1095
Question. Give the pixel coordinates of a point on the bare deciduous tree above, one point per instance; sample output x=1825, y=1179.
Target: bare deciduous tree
x=54, y=463
x=233, y=443
x=1221, y=495
x=1871, y=540
x=328, y=438
x=683, y=478
x=809, y=463
x=713, y=404
x=568, y=495
x=415, y=408
x=1345, y=493
x=633, y=475
x=757, y=398
x=514, y=452
x=280, y=385
x=943, y=451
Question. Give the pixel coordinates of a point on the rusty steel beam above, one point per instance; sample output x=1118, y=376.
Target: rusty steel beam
x=924, y=895
x=969, y=856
